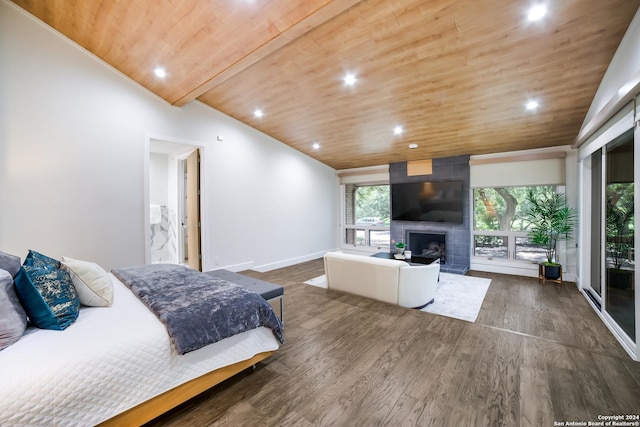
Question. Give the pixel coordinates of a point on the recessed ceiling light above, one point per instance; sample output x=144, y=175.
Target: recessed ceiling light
x=532, y=105
x=160, y=72
x=413, y=146
x=316, y=146
x=398, y=130
x=258, y=113
x=350, y=79
x=537, y=12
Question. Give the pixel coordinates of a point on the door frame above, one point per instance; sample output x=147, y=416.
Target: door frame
x=618, y=125
x=181, y=161
x=146, y=210
x=586, y=202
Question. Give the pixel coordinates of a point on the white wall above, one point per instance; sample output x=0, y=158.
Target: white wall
x=159, y=178
x=72, y=154
x=624, y=66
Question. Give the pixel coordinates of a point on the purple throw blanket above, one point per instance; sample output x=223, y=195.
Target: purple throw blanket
x=197, y=308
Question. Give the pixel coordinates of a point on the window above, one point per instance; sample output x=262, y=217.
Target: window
x=490, y=246
x=500, y=225
x=367, y=216
x=527, y=251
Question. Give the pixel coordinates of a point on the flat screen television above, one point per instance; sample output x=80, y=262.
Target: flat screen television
x=432, y=201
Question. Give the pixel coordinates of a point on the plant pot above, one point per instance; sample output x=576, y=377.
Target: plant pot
x=620, y=279
x=399, y=250
x=550, y=272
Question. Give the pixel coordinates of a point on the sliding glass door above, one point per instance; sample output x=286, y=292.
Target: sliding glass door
x=609, y=219
x=619, y=233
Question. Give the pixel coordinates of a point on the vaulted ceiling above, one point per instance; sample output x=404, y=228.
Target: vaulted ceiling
x=454, y=74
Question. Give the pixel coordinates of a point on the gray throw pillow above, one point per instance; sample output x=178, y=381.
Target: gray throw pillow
x=9, y=262
x=13, y=319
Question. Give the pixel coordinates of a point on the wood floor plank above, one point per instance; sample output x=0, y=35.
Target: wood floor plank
x=533, y=354
x=381, y=364
x=453, y=414
x=405, y=413
x=536, y=408
x=536, y=354
x=382, y=395
x=565, y=396
x=504, y=392
x=622, y=383
x=480, y=345
x=378, y=402
x=293, y=419
x=558, y=356
x=545, y=325
x=634, y=370
x=430, y=350
x=328, y=366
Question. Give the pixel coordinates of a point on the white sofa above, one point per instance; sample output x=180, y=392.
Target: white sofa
x=387, y=280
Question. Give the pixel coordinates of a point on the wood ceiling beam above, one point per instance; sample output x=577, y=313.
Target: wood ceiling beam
x=320, y=16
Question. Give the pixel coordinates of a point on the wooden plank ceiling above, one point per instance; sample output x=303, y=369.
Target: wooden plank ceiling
x=455, y=74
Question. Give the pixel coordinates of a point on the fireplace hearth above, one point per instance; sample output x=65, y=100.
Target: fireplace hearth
x=427, y=246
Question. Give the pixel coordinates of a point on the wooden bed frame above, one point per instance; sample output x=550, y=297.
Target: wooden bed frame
x=168, y=400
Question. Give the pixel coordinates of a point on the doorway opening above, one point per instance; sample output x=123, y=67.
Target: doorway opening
x=609, y=172
x=189, y=209
x=173, y=218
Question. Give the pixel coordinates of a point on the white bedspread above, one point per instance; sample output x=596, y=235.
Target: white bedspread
x=109, y=360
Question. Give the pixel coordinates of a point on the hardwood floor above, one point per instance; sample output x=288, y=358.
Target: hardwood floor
x=536, y=354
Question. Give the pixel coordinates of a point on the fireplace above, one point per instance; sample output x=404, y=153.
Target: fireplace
x=425, y=246
x=453, y=240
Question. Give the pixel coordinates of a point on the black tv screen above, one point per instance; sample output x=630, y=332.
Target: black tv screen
x=434, y=201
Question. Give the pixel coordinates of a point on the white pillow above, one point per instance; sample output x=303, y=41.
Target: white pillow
x=92, y=283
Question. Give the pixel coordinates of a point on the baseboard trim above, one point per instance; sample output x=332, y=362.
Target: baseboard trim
x=235, y=267
x=289, y=262
x=525, y=270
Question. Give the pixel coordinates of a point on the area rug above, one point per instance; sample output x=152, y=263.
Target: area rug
x=457, y=296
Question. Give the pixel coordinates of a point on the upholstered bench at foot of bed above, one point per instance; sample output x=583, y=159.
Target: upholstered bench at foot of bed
x=266, y=290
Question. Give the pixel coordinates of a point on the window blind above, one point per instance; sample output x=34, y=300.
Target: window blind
x=369, y=175
x=518, y=170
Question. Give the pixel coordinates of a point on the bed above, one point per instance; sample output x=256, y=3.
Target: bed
x=114, y=365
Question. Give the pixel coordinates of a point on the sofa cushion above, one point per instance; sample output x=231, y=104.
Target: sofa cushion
x=13, y=319
x=366, y=276
x=418, y=284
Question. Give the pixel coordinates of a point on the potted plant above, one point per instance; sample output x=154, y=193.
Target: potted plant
x=400, y=246
x=551, y=220
x=619, y=239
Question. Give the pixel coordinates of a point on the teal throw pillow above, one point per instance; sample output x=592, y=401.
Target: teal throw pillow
x=36, y=259
x=48, y=296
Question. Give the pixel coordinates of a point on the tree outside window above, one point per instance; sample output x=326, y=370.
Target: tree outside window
x=373, y=201
x=500, y=213
x=368, y=215
x=502, y=208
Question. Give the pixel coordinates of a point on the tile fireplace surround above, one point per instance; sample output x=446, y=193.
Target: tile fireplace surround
x=457, y=237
